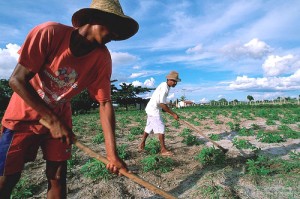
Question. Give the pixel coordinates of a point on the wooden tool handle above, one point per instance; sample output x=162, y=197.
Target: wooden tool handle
x=131, y=176
x=216, y=144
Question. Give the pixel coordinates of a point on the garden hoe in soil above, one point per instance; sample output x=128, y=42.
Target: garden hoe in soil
x=131, y=176
x=216, y=144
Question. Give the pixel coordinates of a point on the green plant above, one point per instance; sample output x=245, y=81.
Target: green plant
x=121, y=150
x=23, y=189
x=176, y=124
x=255, y=126
x=215, y=137
x=259, y=166
x=136, y=130
x=246, y=132
x=210, y=155
x=270, y=122
x=130, y=137
x=157, y=163
x=185, y=132
x=234, y=126
x=269, y=137
x=73, y=160
x=99, y=138
x=243, y=144
x=95, y=170
x=191, y=140
x=152, y=146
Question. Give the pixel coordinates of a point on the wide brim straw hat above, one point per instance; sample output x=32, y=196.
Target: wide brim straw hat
x=111, y=14
x=174, y=76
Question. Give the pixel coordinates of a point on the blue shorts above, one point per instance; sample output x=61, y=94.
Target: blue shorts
x=17, y=148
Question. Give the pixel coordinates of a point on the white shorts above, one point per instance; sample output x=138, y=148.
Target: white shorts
x=155, y=124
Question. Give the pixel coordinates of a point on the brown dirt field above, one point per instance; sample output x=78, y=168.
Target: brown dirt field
x=188, y=175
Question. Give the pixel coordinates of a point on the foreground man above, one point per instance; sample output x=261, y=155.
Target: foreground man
x=157, y=103
x=56, y=63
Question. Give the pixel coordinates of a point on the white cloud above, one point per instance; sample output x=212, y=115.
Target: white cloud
x=135, y=75
x=254, y=49
x=120, y=58
x=8, y=60
x=149, y=82
x=137, y=83
x=267, y=83
x=204, y=100
x=275, y=65
x=136, y=67
x=196, y=49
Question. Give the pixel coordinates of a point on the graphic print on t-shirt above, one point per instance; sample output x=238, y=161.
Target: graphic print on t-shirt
x=58, y=84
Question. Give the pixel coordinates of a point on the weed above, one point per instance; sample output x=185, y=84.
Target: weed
x=255, y=126
x=246, y=132
x=73, y=160
x=136, y=130
x=99, y=138
x=191, y=140
x=152, y=146
x=157, y=163
x=234, y=126
x=185, y=132
x=270, y=122
x=121, y=150
x=176, y=124
x=23, y=189
x=243, y=144
x=95, y=170
x=259, y=166
x=269, y=137
x=210, y=155
x=215, y=137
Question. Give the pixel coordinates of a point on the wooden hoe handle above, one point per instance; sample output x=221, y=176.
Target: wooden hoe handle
x=131, y=176
x=216, y=144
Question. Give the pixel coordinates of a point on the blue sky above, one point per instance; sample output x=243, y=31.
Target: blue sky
x=221, y=49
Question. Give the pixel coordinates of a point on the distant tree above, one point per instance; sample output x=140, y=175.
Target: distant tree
x=250, y=98
x=5, y=94
x=213, y=102
x=223, y=101
x=235, y=101
x=127, y=94
x=83, y=102
x=182, y=98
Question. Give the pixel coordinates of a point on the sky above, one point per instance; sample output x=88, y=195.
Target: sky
x=221, y=48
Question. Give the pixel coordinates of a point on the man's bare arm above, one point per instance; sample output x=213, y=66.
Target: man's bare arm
x=168, y=110
x=107, y=117
x=19, y=82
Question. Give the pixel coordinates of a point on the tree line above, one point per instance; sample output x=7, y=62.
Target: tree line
x=124, y=96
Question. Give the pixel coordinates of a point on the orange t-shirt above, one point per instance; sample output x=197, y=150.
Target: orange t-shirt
x=59, y=75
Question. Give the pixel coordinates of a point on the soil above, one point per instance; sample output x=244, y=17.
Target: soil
x=188, y=178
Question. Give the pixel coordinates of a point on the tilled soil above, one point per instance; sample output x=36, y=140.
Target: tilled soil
x=188, y=178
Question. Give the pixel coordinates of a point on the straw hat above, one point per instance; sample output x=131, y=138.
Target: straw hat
x=174, y=75
x=110, y=12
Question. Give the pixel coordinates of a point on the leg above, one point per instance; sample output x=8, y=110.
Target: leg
x=7, y=183
x=56, y=174
x=163, y=149
x=142, y=145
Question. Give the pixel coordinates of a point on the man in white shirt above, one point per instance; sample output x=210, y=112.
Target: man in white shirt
x=157, y=103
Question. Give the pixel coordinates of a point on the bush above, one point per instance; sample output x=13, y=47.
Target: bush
x=152, y=146
x=211, y=155
x=95, y=170
x=157, y=163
